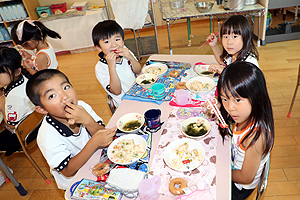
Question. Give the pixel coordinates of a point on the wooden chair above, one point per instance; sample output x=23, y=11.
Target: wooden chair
x=27, y=136
x=295, y=93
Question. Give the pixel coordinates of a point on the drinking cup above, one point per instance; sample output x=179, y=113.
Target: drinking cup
x=157, y=90
x=152, y=118
x=148, y=188
x=182, y=97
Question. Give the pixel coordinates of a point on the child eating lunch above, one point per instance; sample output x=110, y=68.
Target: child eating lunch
x=117, y=68
x=237, y=43
x=245, y=101
x=71, y=131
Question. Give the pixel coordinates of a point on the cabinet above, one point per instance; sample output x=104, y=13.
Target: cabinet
x=13, y=11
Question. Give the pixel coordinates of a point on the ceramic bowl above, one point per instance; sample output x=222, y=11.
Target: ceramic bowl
x=130, y=117
x=157, y=69
x=201, y=85
x=202, y=70
x=199, y=120
x=146, y=80
x=138, y=140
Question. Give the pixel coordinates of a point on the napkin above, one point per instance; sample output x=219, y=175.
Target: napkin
x=125, y=180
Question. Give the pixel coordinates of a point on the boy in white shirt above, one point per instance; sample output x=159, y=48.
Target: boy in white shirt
x=117, y=66
x=71, y=131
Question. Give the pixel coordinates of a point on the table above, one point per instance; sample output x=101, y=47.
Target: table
x=191, y=12
x=223, y=150
x=76, y=31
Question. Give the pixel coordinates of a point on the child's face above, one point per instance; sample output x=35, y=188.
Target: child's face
x=238, y=108
x=232, y=43
x=54, y=94
x=5, y=79
x=110, y=44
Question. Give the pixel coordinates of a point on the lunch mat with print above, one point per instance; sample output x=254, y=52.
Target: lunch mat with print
x=203, y=177
x=138, y=93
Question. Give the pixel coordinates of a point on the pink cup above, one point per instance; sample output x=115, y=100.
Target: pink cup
x=182, y=97
x=148, y=188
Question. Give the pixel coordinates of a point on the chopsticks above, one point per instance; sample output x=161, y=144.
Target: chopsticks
x=220, y=117
x=208, y=41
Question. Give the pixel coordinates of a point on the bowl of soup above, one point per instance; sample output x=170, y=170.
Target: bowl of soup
x=146, y=80
x=131, y=122
x=195, y=127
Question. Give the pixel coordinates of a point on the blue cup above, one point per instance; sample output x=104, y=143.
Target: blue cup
x=157, y=90
x=152, y=118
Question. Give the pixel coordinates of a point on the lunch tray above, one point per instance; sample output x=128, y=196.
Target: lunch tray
x=138, y=93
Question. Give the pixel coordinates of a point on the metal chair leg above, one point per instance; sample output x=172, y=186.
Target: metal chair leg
x=295, y=94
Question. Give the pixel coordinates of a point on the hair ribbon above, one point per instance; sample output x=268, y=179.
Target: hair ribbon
x=20, y=28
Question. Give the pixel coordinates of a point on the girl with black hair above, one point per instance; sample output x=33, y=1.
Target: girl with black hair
x=31, y=35
x=246, y=105
x=14, y=102
x=237, y=43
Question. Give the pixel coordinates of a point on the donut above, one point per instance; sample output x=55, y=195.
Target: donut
x=174, y=73
x=101, y=169
x=177, y=181
x=181, y=85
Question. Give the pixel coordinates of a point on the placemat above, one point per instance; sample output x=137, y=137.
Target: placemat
x=203, y=177
x=138, y=93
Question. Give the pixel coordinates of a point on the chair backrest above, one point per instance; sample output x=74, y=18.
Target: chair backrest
x=263, y=180
x=27, y=126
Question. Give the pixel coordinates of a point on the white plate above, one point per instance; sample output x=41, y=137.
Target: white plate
x=186, y=122
x=202, y=79
x=169, y=154
x=137, y=140
x=201, y=69
x=157, y=69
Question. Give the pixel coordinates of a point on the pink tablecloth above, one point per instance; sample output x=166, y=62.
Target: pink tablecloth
x=203, y=177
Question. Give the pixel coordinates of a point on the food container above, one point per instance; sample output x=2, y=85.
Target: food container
x=204, y=6
x=80, y=6
x=146, y=80
x=233, y=5
x=208, y=85
x=200, y=120
x=177, y=4
x=250, y=2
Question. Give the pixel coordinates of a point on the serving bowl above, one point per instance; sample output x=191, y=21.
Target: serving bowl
x=177, y=4
x=204, y=6
x=195, y=127
x=201, y=85
x=146, y=80
x=157, y=69
x=131, y=122
x=171, y=154
x=202, y=70
x=125, y=153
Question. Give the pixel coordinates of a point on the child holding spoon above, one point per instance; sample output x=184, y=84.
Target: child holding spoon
x=237, y=43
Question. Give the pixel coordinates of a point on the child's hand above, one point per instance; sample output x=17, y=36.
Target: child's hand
x=28, y=64
x=125, y=52
x=104, y=137
x=25, y=54
x=111, y=58
x=76, y=114
x=216, y=68
x=213, y=39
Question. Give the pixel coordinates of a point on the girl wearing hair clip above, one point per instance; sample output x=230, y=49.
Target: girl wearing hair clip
x=31, y=35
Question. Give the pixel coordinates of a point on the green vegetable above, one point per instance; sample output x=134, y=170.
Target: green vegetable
x=195, y=129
